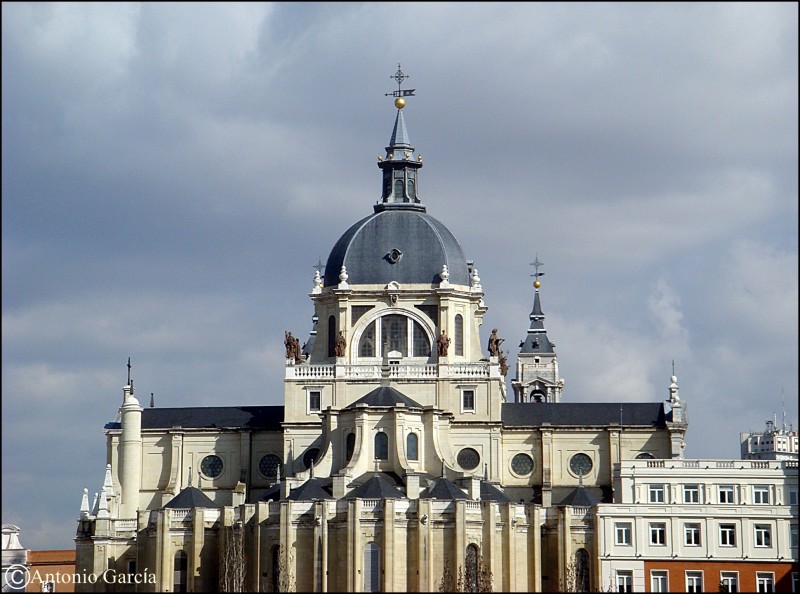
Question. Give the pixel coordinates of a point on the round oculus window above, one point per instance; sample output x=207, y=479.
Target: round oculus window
x=468, y=458
x=580, y=464
x=211, y=466
x=268, y=465
x=522, y=464
x=310, y=457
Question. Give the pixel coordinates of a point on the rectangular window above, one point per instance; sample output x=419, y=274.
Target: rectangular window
x=763, y=535
x=796, y=582
x=656, y=494
x=765, y=582
x=694, y=581
x=761, y=494
x=468, y=400
x=794, y=536
x=726, y=494
x=658, y=533
x=729, y=581
x=314, y=400
x=658, y=581
x=691, y=493
x=792, y=495
x=624, y=581
x=623, y=531
x=727, y=535
x=692, y=534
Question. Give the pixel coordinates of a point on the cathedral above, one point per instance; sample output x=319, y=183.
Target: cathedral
x=398, y=460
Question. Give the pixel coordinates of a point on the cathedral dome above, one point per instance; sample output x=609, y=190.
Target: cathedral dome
x=397, y=243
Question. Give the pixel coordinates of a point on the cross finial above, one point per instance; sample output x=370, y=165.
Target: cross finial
x=319, y=266
x=537, y=264
x=129, y=371
x=673, y=367
x=400, y=76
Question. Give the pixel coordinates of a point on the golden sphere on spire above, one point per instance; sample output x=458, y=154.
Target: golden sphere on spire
x=536, y=284
x=399, y=103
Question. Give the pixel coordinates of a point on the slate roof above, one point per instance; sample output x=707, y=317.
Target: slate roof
x=385, y=396
x=492, y=493
x=583, y=414
x=190, y=498
x=442, y=488
x=424, y=242
x=377, y=487
x=310, y=490
x=211, y=417
x=579, y=497
x=272, y=494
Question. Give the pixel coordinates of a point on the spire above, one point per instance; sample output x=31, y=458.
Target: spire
x=108, y=484
x=399, y=164
x=85, y=504
x=536, y=341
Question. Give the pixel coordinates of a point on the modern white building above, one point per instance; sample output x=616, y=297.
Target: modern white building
x=699, y=525
x=774, y=443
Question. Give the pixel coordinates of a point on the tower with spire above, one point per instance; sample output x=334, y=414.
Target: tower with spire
x=537, y=365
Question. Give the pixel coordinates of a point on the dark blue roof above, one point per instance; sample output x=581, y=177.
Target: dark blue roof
x=492, y=493
x=310, y=490
x=376, y=487
x=579, y=497
x=236, y=417
x=385, y=396
x=190, y=498
x=424, y=242
x=583, y=414
x=443, y=488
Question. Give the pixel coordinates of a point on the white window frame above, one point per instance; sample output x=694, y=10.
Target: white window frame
x=761, y=495
x=693, y=529
x=692, y=577
x=309, y=391
x=624, y=581
x=765, y=581
x=691, y=493
x=658, y=528
x=793, y=495
x=623, y=533
x=763, y=536
x=463, y=391
x=730, y=531
x=659, y=580
x=794, y=536
x=724, y=491
x=656, y=494
x=730, y=579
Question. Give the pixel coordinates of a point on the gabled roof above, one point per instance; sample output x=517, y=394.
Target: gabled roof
x=190, y=498
x=583, y=414
x=444, y=489
x=309, y=490
x=273, y=493
x=492, y=493
x=385, y=396
x=376, y=487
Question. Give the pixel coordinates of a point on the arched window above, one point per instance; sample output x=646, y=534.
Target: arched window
x=459, y=332
x=645, y=456
x=394, y=332
x=381, y=446
x=411, y=190
x=350, y=446
x=332, y=336
x=372, y=567
x=399, y=195
x=581, y=571
x=181, y=569
x=471, y=562
x=412, y=441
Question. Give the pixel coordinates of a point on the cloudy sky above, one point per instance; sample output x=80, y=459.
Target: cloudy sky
x=172, y=172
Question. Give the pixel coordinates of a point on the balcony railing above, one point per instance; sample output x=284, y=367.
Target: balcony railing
x=403, y=371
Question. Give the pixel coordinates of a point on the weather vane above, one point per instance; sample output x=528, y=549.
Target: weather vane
x=400, y=76
x=536, y=264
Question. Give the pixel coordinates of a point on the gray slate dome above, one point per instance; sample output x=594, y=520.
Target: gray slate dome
x=403, y=244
